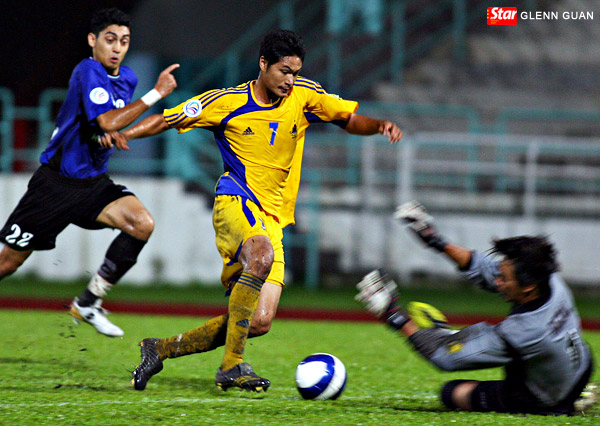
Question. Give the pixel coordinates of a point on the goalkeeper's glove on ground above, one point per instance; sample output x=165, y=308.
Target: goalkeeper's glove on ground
x=378, y=293
x=420, y=222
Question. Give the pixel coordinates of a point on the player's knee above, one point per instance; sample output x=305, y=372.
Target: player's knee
x=457, y=394
x=142, y=225
x=257, y=256
x=262, y=267
x=259, y=326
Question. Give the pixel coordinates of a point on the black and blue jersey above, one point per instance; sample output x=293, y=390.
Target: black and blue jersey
x=73, y=149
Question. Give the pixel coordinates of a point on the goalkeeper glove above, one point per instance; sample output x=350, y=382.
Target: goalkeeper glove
x=426, y=316
x=420, y=222
x=378, y=293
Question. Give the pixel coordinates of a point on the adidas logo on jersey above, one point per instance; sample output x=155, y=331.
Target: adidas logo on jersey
x=294, y=131
x=248, y=131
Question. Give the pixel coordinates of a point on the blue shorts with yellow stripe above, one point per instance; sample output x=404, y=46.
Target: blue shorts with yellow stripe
x=235, y=220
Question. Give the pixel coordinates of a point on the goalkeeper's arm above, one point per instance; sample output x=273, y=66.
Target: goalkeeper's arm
x=459, y=255
x=420, y=222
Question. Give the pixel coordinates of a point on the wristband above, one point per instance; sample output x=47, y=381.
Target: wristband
x=438, y=243
x=151, y=97
x=396, y=319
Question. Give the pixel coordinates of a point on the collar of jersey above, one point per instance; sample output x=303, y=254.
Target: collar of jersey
x=531, y=305
x=114, y=77
x=257, y=102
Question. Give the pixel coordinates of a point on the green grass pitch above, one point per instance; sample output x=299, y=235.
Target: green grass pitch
x=53, y=372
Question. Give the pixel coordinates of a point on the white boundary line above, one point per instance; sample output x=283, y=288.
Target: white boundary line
x=421, y=395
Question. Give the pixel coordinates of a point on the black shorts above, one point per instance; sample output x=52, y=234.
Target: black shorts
x=502, y=396
x=52, y=202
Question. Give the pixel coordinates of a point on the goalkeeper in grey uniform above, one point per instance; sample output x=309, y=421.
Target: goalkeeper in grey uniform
x=546, y=361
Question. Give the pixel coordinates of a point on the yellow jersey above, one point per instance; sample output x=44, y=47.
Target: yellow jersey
x=261, y=144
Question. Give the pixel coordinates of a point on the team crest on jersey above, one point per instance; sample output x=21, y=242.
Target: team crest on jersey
x=99, y=96
x=454, y=347
x=192, y=108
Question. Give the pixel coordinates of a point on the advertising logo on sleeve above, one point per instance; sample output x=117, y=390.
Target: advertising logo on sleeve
x=192, y=108
x=99, y=96
x=502, y=16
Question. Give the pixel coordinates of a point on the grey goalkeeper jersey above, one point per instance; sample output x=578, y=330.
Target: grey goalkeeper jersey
x=539, y=343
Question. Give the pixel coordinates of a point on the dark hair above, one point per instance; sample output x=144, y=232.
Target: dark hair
x=280, y=43
x=534, y=258
x=106, y=17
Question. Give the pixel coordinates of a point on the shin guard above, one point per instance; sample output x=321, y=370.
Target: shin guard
x=120, y=257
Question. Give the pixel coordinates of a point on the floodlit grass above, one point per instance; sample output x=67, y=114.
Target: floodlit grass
x=450, y=299
x=53, y=372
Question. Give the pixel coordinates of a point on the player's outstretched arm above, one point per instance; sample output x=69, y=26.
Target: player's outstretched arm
x=362, y=125
x=378, y=293
x=119, y=118
x=420, y=222
x=150, y=126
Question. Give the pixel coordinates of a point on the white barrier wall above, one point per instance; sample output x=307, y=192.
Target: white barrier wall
x=372, y=241
x=182, y=248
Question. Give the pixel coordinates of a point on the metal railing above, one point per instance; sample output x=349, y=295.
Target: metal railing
x=467, y=165
x=546, y=180
x=524, y=176
x=7, y=122
x=410, y=29
x=184, y=153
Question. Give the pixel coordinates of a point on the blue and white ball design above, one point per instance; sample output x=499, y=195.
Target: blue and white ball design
x=321, y=376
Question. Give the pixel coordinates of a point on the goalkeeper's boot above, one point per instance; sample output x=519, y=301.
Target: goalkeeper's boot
x=95, y=315
x=426, y=316
x=587, y=399
x=150, y=365
x=242, y=376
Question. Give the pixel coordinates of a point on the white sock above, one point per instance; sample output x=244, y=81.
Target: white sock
x=99, y=286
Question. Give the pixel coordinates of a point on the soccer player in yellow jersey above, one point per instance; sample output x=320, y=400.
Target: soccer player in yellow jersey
x=259, y=127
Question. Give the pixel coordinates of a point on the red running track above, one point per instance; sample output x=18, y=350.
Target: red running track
x=214, y=310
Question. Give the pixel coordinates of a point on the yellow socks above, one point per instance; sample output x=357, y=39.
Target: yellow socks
x=201, y=339
x=230, y=330
x=242, y=304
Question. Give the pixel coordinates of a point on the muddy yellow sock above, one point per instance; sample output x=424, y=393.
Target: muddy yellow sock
x=242, y=304
x=205, y=338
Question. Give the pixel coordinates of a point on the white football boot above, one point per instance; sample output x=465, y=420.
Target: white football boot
x=94, y=315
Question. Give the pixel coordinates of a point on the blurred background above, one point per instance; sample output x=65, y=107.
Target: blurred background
x=501, y=130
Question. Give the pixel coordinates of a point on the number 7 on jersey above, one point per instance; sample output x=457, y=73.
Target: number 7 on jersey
x=273, y=126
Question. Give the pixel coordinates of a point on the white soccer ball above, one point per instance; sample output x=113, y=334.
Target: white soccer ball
x=321, y=376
